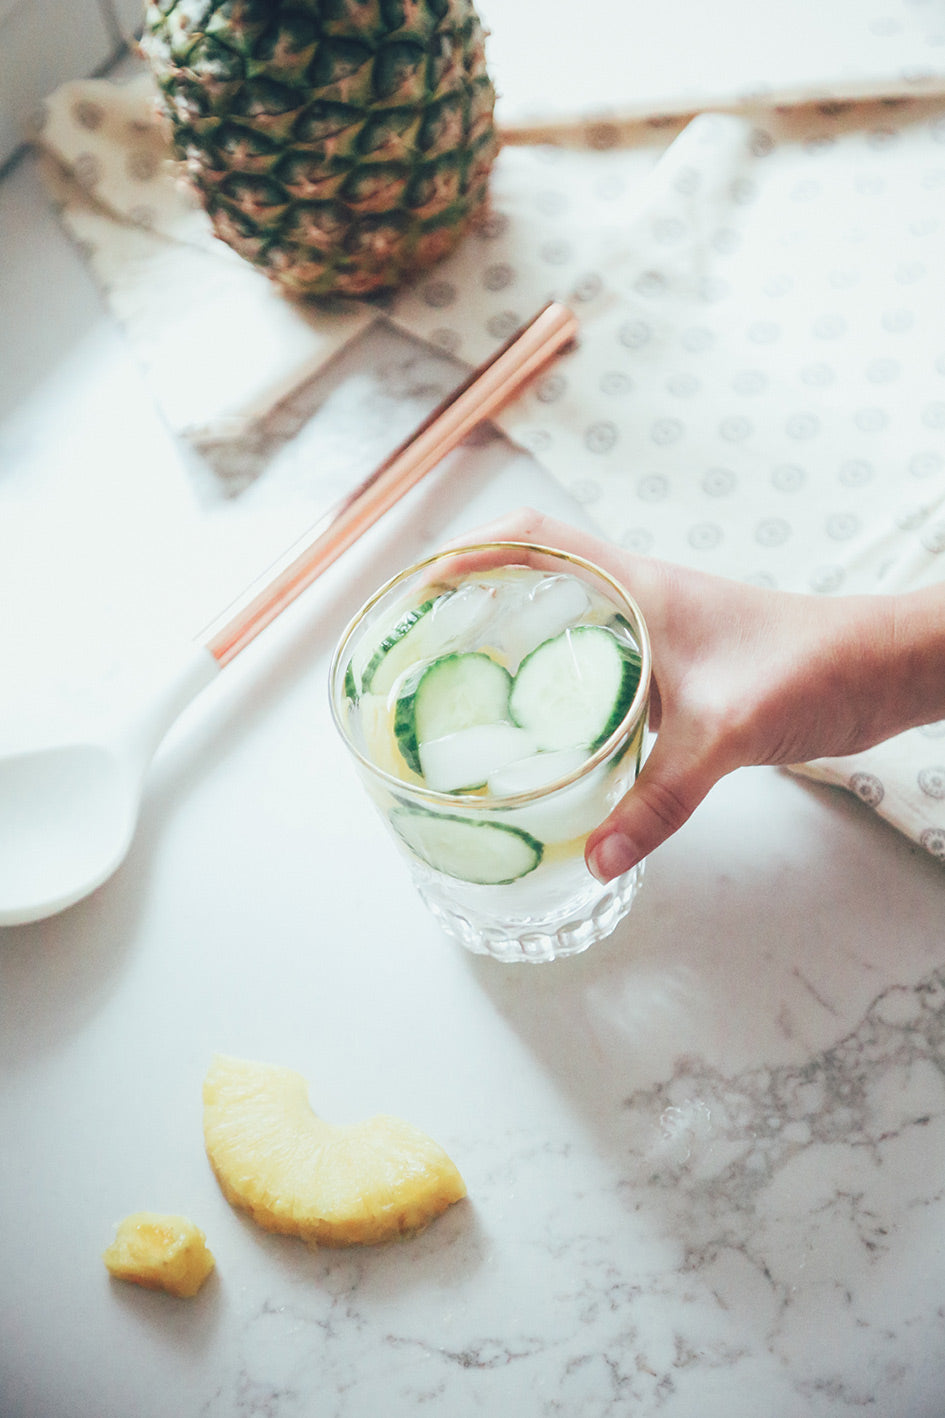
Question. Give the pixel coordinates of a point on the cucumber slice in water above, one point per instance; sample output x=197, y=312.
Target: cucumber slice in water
x=454, y=692
x=484, y=853
x=381, y=664
x=574, y=689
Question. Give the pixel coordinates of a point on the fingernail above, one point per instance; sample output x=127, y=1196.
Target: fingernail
x=613, y=855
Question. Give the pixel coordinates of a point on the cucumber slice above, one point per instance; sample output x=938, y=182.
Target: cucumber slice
x=433, y=628
x=373, y=732
x=574, y=690
x=454, y=692
x=369, y=673
x=468, y=758
x=485, y=853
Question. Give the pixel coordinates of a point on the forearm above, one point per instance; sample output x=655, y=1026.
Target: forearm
x=826, y=677
x=914, y=681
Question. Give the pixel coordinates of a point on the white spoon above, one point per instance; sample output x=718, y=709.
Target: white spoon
x=68, y=811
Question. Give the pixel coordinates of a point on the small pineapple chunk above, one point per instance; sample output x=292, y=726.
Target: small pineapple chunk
x=160, y=1252
x=337, y=1186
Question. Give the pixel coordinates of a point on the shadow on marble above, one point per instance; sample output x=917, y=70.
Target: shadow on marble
x=58, y=974
x=188, y=1328
x=446, y=1254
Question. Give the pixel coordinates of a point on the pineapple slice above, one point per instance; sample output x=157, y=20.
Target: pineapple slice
x=356, y=1185
x=160, y=1252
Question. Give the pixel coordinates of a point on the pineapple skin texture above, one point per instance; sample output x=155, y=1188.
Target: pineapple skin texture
x=362, y=1184
x=160, y=1252
x=341, y=146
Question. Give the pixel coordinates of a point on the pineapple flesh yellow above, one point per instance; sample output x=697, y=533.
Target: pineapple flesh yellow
x=160, y=1252
x=339, y=145
x=359, y=1184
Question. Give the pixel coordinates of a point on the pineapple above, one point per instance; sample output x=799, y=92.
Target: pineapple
x=294, y=1173
x=160, y=1252
x=339, y=145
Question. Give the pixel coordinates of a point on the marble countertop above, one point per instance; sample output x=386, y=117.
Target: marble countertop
x=705, y=1161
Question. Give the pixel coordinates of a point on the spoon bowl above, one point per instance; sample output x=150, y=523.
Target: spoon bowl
x=67, y=816
x=68, y=810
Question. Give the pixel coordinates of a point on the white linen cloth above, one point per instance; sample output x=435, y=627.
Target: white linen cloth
x=759, y=386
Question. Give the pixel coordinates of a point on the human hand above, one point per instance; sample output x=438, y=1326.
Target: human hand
x=742, y=675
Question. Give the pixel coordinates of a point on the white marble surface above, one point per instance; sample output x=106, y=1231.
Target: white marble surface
x=706, y=1161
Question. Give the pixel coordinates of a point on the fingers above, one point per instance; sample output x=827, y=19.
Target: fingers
x=518, y=526
x=667, y=792
x=525, y=524
x=473, y=550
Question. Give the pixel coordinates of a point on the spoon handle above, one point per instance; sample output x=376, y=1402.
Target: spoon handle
x=487, y=390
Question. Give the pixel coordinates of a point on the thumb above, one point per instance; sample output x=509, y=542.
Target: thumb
x=671, y=785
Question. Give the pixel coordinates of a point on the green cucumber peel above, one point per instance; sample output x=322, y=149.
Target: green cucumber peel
x=484, y=853
x=454, y=691
x=562, y=682
x=390, y=643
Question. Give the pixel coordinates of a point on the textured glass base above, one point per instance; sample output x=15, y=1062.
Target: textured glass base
x=587, y=915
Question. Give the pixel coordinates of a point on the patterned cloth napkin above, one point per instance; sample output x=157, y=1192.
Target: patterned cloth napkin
x=759, y=386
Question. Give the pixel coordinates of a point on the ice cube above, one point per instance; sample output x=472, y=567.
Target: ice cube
x=524, y=622
x=467, y=758
x=536, y=771
x=571, y=812
x=457, y=620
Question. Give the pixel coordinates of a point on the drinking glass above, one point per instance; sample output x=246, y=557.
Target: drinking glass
x=520, y=891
